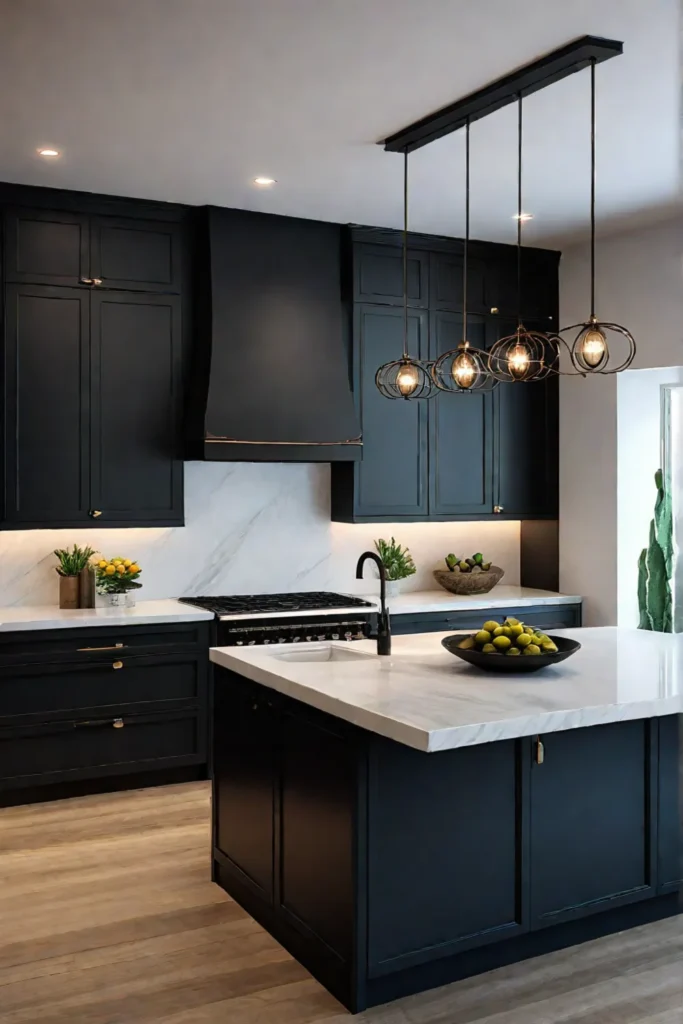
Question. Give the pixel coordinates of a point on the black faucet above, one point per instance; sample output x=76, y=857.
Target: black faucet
x=383, y=621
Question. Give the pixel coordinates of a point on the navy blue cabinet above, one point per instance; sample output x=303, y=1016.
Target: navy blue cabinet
x=454, y=456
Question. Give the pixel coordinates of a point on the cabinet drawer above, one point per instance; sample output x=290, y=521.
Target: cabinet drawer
x=121, y=682
x=99, y=643
x=89, y=749
x=565, y=616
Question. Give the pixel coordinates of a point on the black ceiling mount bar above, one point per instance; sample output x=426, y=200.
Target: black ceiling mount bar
x=550, y=68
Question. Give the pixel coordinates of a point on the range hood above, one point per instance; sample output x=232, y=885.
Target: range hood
x=271, y=376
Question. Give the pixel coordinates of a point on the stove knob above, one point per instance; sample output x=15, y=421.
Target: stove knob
x=348, y=636
x=266, y=641
x=240, y=643
x=335, y=636
x=309, y=638
x=281, y=640
x=322, y=636
x=252, y=643
x=295, y=639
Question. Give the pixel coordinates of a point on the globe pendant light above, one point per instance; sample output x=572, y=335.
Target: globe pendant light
x=406, y=377
x=464, y=369
x=590, y=349
x=526, y=355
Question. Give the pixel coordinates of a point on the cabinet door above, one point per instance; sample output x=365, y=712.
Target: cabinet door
x=46, y=406
x=136, y=364
x=526, y=445
x=670, y=803
x=244, y=781
x=392, y=478
x=445, y=860
x=378, y=272
x=46, y=247
x=136, y=255
x=460, y=431
x=591, y=801
x=446, y=283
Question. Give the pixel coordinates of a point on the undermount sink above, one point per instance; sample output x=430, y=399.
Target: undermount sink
x=313, y=653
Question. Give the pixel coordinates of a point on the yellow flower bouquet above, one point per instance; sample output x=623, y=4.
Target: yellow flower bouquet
x=117, y=575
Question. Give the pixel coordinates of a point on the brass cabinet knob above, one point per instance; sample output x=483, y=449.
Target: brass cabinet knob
x=498, y=509
x=95, y=513
x=117, y=664
x=96, y=281
x=494, y=309
x=118, y=723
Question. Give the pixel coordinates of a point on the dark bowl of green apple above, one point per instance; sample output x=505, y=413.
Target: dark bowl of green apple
x=510, y=646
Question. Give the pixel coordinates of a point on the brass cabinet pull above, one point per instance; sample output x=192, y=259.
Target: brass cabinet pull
x=498, y=509
x=494, y=309
x=540, y=750
x=117, y=664
x=95, y=513
x=85, y=280
x=112, y=647
x=96, y=281
x=118, y=723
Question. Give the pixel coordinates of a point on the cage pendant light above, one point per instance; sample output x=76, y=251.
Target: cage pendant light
x=590, y=349
x=406, y=377
x=525, y=355
x=464, y=369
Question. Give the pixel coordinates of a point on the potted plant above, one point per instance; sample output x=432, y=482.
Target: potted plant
x=398, y=563
x=116, y=579
x=71, y=565
x=475, y=575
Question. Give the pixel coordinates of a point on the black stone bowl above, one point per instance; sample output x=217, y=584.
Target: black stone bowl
x=501, y=663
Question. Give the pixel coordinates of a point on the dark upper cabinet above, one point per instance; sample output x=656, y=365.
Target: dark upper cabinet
x=135, y=372
x=598, y=848
x=392, y=479
x=74, y=249
x=526, y=431
x=46, y=403
x=136, y=255
x=46, y=247
x=446, y=283
x=539, y=291
x=460, y=430
x=378, y=275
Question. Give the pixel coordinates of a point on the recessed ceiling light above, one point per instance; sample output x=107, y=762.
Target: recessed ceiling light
x=48, y=152
x=264, y=182
x=523, y=216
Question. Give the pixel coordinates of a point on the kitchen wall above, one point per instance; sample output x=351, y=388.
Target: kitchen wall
x=250, y=528
x=639, y=285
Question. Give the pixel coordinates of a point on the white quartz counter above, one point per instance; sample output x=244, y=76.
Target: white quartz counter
x=426, y=698
x=502, y=596
x=144, y=613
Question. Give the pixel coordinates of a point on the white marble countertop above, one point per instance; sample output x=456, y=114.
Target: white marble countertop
x=426, y=698
x=144, y=612
x=502, y=596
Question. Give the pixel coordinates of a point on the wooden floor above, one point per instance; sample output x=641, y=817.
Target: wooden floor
x=107, y=916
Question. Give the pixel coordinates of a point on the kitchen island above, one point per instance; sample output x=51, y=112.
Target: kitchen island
x=398, y=823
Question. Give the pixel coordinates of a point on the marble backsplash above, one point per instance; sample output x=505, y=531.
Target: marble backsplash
x=250, y=528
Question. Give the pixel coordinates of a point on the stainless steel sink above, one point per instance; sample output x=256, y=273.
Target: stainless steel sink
x=317, y=653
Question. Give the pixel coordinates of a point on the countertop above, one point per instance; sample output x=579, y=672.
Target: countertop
x=144, y=612
x=426, y=698
x=502, y=596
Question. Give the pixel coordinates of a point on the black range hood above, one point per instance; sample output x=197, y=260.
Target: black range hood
x=271, y=377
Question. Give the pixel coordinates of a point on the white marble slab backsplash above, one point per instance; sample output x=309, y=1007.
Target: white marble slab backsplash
x=250, y=528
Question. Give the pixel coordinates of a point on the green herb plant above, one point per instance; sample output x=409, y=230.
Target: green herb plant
x=72, y=563
x=397, y=560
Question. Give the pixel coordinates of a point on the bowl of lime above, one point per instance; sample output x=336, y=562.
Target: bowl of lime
x=510, y=646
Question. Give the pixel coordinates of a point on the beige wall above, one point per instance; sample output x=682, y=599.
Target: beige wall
x=639, y=285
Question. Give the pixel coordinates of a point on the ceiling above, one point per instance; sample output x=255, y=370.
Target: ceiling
x=189, y=100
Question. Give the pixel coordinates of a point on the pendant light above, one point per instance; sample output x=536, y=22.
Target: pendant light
x=464, y=369
x=590, y=350
x=526, y=355
x=406, y=377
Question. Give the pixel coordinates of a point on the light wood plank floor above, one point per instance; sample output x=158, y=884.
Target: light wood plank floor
x=107, y=916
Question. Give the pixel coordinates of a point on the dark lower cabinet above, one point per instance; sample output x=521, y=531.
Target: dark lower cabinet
x=592, y=814
x=46, y=405
x=385, y=870
x=245, y=761
x=545, y=617
x=82, y=706
x=137, y=470
x=670, y=819
x=444, y=852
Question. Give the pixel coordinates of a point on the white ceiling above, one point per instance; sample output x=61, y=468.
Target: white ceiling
x=189, y=100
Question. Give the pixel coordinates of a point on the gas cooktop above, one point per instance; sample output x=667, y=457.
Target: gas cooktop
x=250, y=605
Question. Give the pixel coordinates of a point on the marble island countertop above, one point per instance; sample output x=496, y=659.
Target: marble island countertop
x=426, y=698
x=505, y=595
x=143, y=613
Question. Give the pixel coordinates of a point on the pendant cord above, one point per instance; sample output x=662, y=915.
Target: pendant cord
x=519, y=210
x=405, y=254
x=592, y=187
x=467, y=230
